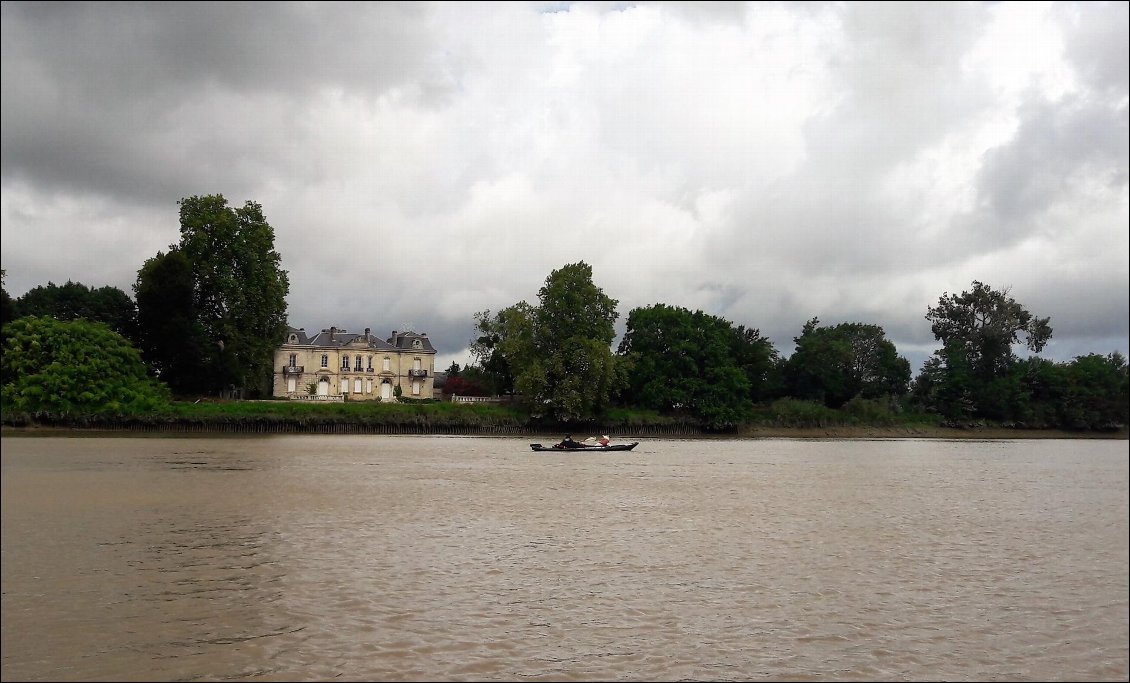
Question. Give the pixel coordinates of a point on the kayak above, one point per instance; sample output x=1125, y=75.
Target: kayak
x=587, y=449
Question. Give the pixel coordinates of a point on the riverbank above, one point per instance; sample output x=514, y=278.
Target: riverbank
x=835, y=432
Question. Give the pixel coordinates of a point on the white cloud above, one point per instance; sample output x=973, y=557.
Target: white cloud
x=764, y=162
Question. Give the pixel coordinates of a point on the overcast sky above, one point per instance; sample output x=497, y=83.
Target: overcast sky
x=766, y=163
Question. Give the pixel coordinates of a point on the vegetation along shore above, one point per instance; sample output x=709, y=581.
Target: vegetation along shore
x=210, y=313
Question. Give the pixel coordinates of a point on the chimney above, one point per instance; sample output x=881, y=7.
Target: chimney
x=333, y=331
x=367, y=334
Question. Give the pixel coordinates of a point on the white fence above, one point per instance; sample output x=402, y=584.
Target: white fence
x=308, y=397
x=456, y=398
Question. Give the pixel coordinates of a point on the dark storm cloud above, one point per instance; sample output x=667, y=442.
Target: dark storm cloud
x=421, y=162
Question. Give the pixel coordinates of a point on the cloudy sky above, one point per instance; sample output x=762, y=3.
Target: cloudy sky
x=766, y=163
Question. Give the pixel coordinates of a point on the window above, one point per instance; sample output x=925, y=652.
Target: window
x=325, y=361
x=294, y=360
x=416, y=344
x=345, y=385
x=415, y=363
x=291, y=384
x=292, y=339
x=345, y=362
x=368, y=386
x=415, y=387
x=357, y=385
x=388, y=364
x=357, y=364
x=370, y=362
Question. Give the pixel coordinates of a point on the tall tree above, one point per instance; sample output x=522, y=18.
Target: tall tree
x=558, y=355
x=575, y=372
x=694, y=362
x=505, y=343
x=973, y=375
x=986, y=323
x=239, y=290
x=171, y=338
x=836, y=364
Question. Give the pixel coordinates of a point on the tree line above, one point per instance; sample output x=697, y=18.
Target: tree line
x=208, y=313
x=558, y=356
x=205, y=319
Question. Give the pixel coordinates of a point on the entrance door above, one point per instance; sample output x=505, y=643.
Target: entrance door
x=323, y=387
x=386, y=391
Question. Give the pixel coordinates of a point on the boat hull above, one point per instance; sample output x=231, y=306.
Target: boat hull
x=586, y=449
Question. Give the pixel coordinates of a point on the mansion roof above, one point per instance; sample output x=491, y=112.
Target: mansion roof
x=334, y=338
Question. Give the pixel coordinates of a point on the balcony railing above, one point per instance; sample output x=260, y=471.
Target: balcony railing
x=292, y=369
x=417, y=373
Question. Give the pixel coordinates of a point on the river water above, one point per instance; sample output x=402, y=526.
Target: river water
x=460, y=558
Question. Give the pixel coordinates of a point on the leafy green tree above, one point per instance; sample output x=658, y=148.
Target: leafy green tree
x=575, y=373
x=986, y=323
x=76, y=366
x=978, y=330
x=239, y=290
x=558, y=355
x=946, y=385
x=693, y=362
x=170, y=335
x=759, y=360
x=836, y=364
x=75, y=301
x=504, y=345
x=1096, y=394
x=7, y=303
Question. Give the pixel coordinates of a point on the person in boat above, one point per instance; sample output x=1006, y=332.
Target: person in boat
x=603, y=440
x=568, y=442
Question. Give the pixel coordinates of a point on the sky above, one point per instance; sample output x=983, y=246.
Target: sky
x=766, y=163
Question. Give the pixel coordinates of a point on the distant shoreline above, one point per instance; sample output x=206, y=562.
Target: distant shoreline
x=816, y=433
x=924, y=432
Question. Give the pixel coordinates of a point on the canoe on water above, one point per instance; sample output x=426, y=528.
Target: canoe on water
x=586, y=449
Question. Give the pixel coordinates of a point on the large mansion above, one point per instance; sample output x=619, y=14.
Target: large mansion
x=336, y=365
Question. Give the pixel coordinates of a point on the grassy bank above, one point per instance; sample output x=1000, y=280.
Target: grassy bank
x=784, y=419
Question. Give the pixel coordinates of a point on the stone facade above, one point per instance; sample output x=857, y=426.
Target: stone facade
x=335, y=365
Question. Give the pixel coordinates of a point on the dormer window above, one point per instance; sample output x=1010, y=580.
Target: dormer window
x=416, y=344
x=292, y=339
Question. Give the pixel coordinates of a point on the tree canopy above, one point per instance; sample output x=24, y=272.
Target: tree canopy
x=76, y=301
x=836, y=364
x=76, y=366
x=974, y=374
x=171, y=338
x=238, y=295
x=558, y=355
x=697, y=363
x=983, y=324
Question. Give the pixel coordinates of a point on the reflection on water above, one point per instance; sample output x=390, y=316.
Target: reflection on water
x=452, y=558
